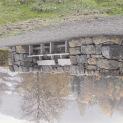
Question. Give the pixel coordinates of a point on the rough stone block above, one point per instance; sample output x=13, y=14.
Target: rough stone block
x=86, y=40
x=92, y=72
x=105, y=40
x=26, y=63
x=17, y=57
x=99, y=40
x=77, y=69
x=31, y=69
x=16, y=68
x=107, y=64
x=113, y=52
x=92, y=61
x=66, y=68
x=25, y=69
x=81, y=59
x=22, y=49
x=98, y=49
x=116, y=52
x=115, y=40
x=75, y=51
x=91, y=67
x=88, y=56
x=75, y=43
x=96, y=56
x=121, y=64
x=88, y=49
x=59, y=69
x=21, y=57
x=73, y=60
x=106, y=51
x=18, y=63
x=121, y=70
x=28, y=59
x=110, y=72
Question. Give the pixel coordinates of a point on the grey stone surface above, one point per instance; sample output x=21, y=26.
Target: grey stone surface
x=107, y=40
x=92, y=72
x=28, y=59
x=116, y=52
x=92, y=61
x=99, y=40
x=15, y=67
x=26, y=63
x=59, y=69
x=88, y=56
x=107, y=64
x=22, y=49
x=17, y=57
x=98, y=49
x=106, y=51
x=17, y=63
x=110, y=72
x=88, y=49
x=113, y=52
x=91, y=67
x=30, y=69
x=75, y=43
x=121, y=70
x=66, y=68
x=96, y=56
x=47, y=69
x=73, y=60
x=86, y=40
x=21, y=57
x=77, y=69
x=75, y=51
x=25, y=69
x=81, y=59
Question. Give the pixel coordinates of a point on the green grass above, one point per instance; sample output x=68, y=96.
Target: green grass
x=11, y=12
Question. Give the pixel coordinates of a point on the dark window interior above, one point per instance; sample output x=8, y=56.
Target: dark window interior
x=47, y=48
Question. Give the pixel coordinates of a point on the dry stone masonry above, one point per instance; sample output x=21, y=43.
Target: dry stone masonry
x=88, y=55
x=102, y=54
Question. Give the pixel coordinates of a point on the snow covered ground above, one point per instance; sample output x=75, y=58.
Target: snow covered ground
x=9, y=101
x=8, y=119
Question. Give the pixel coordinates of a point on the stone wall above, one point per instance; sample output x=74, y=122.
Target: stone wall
x=102, y=54
x=18, y=59
x=89, y=56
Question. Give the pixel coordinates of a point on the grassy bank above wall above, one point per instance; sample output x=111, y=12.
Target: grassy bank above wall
x=12, y=11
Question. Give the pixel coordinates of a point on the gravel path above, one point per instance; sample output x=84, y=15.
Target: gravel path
x=68, y=30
